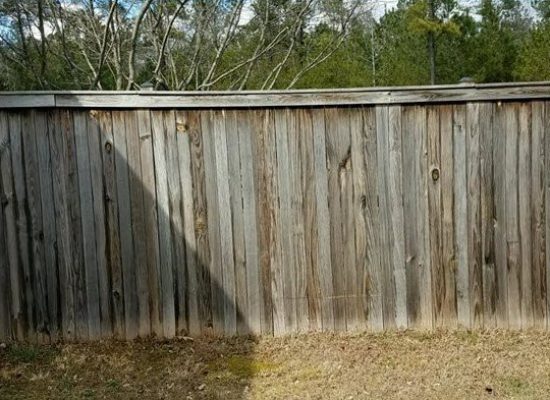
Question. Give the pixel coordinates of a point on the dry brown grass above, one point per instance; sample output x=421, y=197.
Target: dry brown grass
x=409, y=365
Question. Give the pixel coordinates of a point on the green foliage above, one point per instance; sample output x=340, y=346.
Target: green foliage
x=534, y=58
x=317, y=47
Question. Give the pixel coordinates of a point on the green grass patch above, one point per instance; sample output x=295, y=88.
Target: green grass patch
x=28, y=354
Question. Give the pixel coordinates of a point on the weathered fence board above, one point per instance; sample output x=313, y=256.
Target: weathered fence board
x=373, y=216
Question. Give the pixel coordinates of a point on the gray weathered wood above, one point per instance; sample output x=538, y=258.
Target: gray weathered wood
x=163, y=210
x=214, y=267
x=253, y=272
x=473, y=204
x=513, y=249
x=8, y=194
x=525, y=216
x=273, y=220
x=489, y=291
x=461, y=224
x=445, y=284
x=323, y=248
x=499, y=176
x=129, y=290
x=314, y=97
x=47, y=204
x=285, y=227
x=237, y=213
x=538, y=157
x=112, y=254
x=88, y=224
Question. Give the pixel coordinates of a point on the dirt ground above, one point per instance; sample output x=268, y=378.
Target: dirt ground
x=320, y=366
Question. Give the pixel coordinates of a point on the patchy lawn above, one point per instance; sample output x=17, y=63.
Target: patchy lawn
x=319, y=366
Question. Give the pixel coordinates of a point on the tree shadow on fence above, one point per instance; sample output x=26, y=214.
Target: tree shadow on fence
x=119, y=224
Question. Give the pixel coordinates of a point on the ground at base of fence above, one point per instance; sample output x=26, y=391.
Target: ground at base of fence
x=409, y=365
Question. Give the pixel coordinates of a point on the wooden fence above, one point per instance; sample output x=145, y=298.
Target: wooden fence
x=131, y=214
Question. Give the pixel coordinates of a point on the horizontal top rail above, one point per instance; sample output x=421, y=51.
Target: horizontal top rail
x=279, y=98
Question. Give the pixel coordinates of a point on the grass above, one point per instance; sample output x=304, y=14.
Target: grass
x=409, y=365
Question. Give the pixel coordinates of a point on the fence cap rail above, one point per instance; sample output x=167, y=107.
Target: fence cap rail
x=277, y=98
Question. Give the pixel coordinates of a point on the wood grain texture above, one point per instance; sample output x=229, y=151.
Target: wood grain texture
x=499, y=176
x=214, y=267
x=475, y=271
x=513, y=246
x=538, y=160
x=445, y=282
x=323, y=247
x=168, y=222
x=525, y=215
x=461, y=208
x=10, y=229
x=164, y=224
x=338, y=147
x=150, y=267
x=489, y=290
x=129, y=290
x=279, y=98
x=112, y=252
x=367, y=223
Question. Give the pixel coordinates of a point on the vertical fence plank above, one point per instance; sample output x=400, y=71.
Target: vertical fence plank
x=415, y=208
x=214, y=266
x=285, y=228
x=22, y=220
x=383, y=133
x=525, y=215
x=96, y=170
x=513, y=249
x=5, y=200
x=184, y=125
x=264, y=149
x=125, y=226
x=253, y=273
x=152, y=269
x=297, y=169
x=227, y=290
x=351, y=292
x=176, y=222
x=33, y=125
x=47, y=205
x=461, y=208
x=538, y=159
x=447, y=315
x=308, y=186
x=5, y=323
x=113, y=256
x=474, y=214
x=9, y=209
x=367, y=242
x=200, y=227
x=75, y=229
x=499, y=173
x=486, y=121
x=338, y=143
x=61, y=187
x=236, y=207
x=324, y=256
x=139, y=277
x=88, y=224
x=163, y=207
x=396, y=221
x=435, y=211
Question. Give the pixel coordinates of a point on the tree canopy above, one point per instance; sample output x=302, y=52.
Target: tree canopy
x=268, y=44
